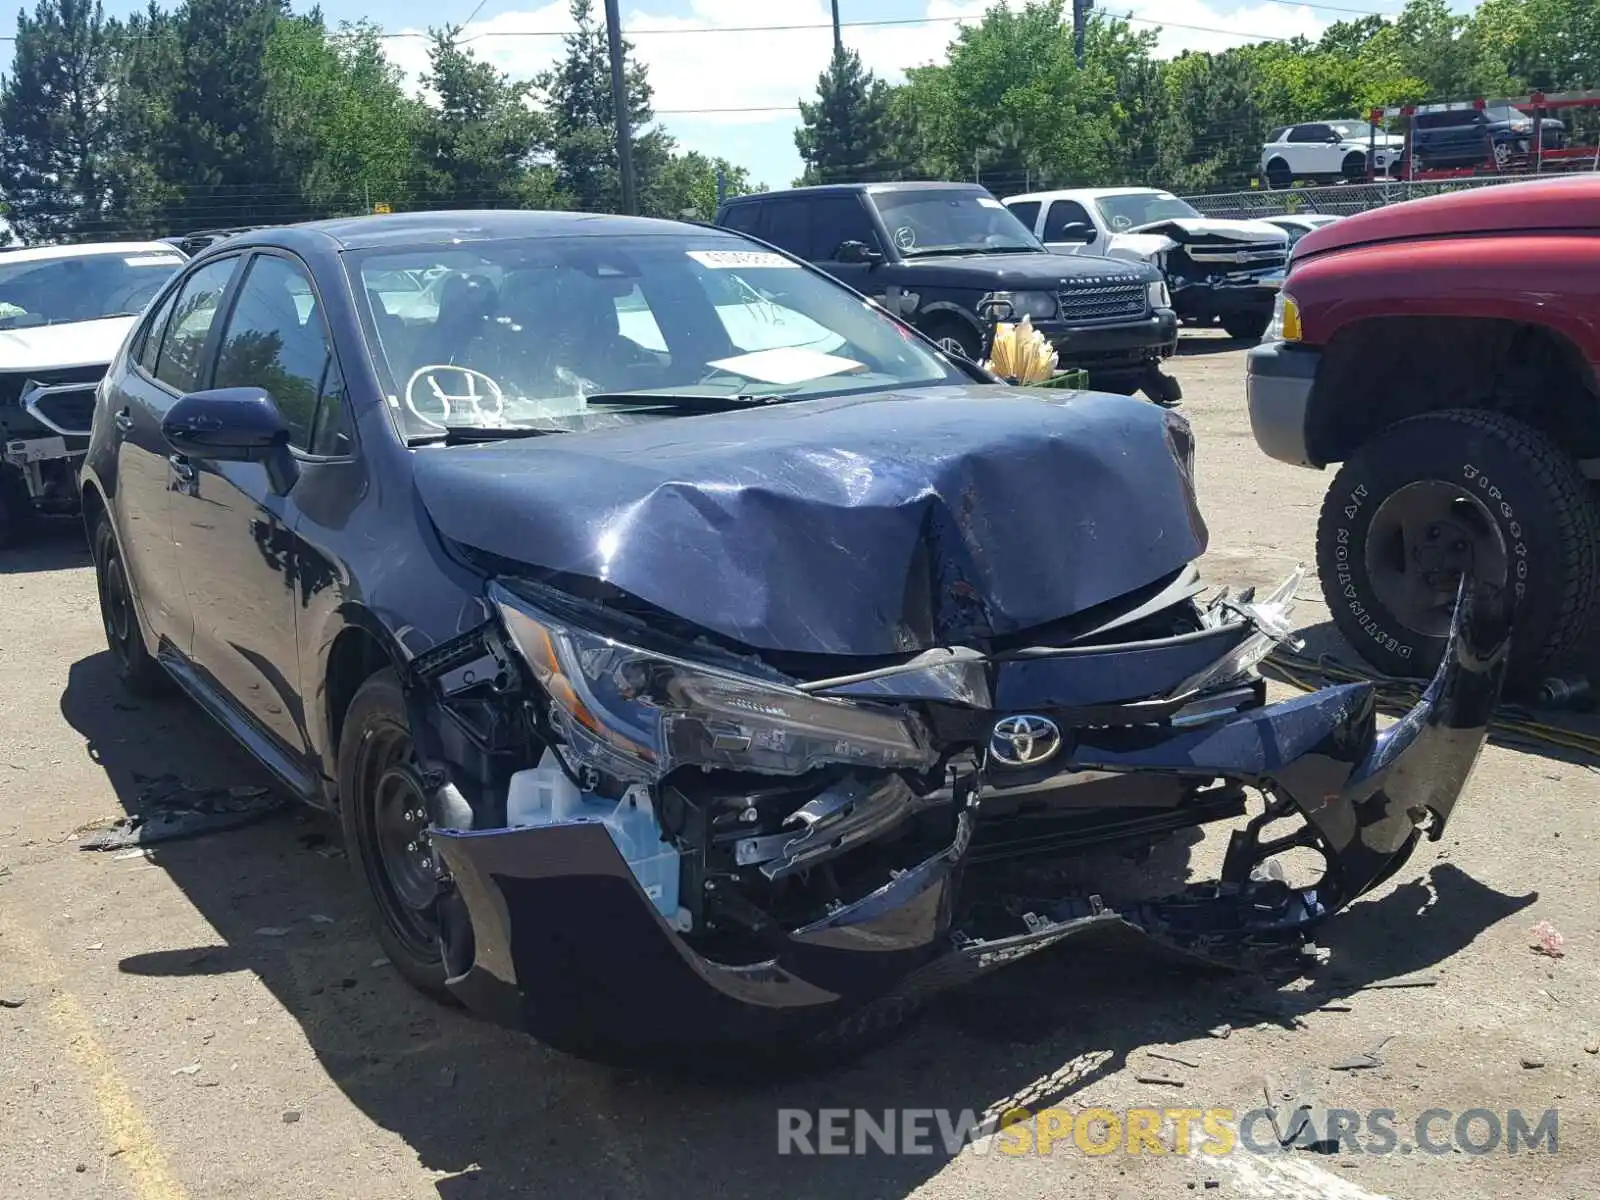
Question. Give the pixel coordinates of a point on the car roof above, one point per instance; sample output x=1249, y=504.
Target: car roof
x=451, y=226
x=82, y=250
x=854, y=189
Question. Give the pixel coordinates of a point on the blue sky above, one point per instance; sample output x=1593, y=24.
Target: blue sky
x=703, y=54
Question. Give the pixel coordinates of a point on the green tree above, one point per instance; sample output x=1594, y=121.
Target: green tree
x=687, y=186
x=144, y=74
x=846, y=134
x=217, y=147
x=577, y=92
x=342, y=124
x=57, y=138
x=480, y=141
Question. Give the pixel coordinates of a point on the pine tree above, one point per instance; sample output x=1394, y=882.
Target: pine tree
x=217, y=148
x=847, y=134
x=577, y=91
x=56, y=132
x=478, y=142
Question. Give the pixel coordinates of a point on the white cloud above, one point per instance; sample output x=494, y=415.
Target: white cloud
x=769, y=68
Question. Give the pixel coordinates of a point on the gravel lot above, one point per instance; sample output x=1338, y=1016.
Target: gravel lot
x=215, y=1020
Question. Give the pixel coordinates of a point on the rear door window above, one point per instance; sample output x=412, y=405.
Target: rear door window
x=743, y=217
x=1027, y=211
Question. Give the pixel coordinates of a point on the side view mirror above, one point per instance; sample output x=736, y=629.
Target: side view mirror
x=857, y=252
x=239, y=424
x=1077, y=231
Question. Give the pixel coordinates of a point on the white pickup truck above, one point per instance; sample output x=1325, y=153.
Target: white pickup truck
x=1215, y=268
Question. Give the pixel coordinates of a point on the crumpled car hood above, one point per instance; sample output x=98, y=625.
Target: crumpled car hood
x=859, y=525
x=1190, y=229
x=76, y=344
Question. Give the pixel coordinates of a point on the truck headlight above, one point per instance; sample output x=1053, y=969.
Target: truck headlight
x=1159, y=296
x=638, y=714
x=1285, y=323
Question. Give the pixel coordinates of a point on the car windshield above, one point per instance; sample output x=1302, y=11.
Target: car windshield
x=929, y=221
x=84, y=287
x=1355, y=131
x=1129, y=210
x=571, y=330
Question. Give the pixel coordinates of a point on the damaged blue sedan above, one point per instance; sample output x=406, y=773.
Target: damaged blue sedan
x=703, y=665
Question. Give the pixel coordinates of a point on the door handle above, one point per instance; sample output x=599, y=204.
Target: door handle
x=125, y=420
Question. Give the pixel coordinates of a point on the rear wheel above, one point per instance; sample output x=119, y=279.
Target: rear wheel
x=1437, y=495
x=136, y=668
x=1354, y=167
x=383, y=809
x=1278, y=174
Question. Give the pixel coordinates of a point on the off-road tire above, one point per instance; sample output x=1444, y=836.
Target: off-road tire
x=378, y=713
x=1278, y=175
x=1534, y=493
x=1246, y=327
x=137, y=670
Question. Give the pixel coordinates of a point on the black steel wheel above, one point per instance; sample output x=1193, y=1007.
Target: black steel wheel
x=384, y=813
x=1438, y=495
x=136, y=668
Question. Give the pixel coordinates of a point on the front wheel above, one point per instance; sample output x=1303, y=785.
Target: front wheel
x=955, y=336
x=1437, y=495
x=383, y=810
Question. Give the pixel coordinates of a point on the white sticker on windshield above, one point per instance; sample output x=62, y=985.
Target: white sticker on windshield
x=989, y=202
x=787, y=364
x=730, y=260
x=153, y=260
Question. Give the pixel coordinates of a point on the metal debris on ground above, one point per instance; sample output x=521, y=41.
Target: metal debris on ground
x=1172, y=1058
x=1547, y=940
x=1366, y=1060
x=1410, y=981
x=1532, y=1064
x=1220, y=1031
x=1163, y=1080
x=191, y=1069
x=12, y=1001
x=169, y=809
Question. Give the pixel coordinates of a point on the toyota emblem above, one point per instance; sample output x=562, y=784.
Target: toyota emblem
x=1024, y=741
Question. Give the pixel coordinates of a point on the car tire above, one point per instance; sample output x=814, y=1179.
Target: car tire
x=1246, y=327
x=1354, y=167
x=955, y=336
x=1514, y=496
x=1278, y=175
x=384, y=816
x=137, y=670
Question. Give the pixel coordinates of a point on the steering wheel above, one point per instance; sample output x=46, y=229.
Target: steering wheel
x=1121, y=222
x=471, y=400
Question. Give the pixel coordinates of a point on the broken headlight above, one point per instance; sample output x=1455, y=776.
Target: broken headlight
x=638, y=714
x=1271, y=628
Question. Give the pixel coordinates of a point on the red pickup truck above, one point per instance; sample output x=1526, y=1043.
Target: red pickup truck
x=1446, y=352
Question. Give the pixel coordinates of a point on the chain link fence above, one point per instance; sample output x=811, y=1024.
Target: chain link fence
x=1340, y=200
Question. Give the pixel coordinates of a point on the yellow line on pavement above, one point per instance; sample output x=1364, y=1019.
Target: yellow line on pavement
x=127, y=1131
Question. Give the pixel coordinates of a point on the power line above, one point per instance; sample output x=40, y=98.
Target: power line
x=795, y=28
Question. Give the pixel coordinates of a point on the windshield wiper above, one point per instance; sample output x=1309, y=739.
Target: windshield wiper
x=697, y=401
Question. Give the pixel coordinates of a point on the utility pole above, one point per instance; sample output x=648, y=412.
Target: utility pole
x=838, y=36
x=1080, y=19
x=619, y=101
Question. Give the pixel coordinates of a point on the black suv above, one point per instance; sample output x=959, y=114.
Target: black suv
x=929, y=252
x=1473, y=137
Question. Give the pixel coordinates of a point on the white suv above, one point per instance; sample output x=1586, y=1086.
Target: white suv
x=1327, y=151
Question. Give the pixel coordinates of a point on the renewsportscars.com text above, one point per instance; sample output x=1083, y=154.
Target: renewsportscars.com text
x=1215, y=1131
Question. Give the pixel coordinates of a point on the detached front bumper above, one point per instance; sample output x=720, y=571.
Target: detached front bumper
x=567, y=946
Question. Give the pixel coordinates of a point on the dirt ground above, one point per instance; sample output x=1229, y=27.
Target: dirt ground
x=215, y=1020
